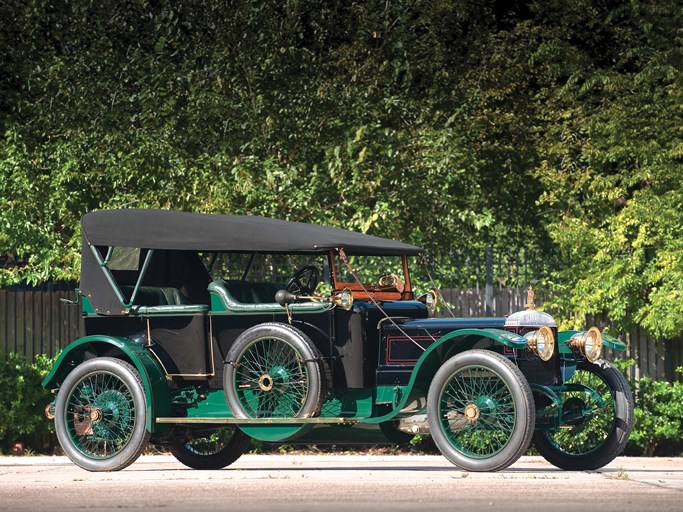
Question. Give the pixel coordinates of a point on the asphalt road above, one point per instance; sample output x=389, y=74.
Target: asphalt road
x=331, y=483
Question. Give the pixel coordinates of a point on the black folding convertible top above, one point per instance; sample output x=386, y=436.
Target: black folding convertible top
x=166, y=232
x=166, y=229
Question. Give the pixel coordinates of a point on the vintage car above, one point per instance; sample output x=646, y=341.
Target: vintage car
x=203, y=332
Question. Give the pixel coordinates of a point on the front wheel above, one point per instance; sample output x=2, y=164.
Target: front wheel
x=100, y=415
x=214, y=449
x=599, y=429
x=481, y=411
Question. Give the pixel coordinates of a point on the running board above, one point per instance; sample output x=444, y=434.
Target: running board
x=259, y=421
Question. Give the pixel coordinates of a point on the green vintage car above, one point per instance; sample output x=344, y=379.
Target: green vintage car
x=203, y=332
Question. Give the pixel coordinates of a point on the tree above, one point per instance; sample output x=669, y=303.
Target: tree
x=391, y=118
x=611, y=167
x=445, y=123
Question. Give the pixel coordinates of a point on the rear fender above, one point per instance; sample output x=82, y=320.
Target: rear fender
x=153, y=377
x=440, y=351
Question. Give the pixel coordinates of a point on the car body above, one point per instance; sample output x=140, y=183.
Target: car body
x=203, y=332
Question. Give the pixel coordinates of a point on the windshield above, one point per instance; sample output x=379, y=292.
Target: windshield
x=376, y=273
x=262, y=267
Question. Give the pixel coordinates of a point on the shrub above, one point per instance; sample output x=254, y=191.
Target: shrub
x=658, y=421
x=23, y=400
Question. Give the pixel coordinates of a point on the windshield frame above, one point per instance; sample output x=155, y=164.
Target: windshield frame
x=371, y=290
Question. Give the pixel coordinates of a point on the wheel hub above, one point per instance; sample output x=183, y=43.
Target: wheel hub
x=573, y=411
x=472, y=413
x=265, y=382
x=95, y=415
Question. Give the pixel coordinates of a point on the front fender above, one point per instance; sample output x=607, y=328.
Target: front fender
x=153, y=376
x=437, y=353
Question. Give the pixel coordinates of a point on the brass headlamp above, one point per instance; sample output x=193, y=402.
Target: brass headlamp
x=588, y=343
x=541, y=342
x=430, y=300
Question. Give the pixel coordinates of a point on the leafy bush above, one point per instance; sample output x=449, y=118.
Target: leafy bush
x=658, y=415
x=23, y=400
x=658, y=425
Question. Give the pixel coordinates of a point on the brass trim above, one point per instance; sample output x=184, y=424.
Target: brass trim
x=530, y=299
x=265, y=382
x=258, y=421
x=472, y=413
x=390, y=318
x=547, y=332
x=578, y=342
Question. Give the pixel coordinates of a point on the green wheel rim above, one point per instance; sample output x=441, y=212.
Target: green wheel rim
x=271, y=379
x=594, y=422
x=100, y=415
x=477, y=411
x=210, y=443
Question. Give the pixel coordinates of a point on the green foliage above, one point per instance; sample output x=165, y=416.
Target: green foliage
x=658, y=416
x=447, y=124
x=377, y=116
x=611, y=167
x=22, y=399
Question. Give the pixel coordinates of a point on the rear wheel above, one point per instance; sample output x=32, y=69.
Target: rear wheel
x=599, y=428
x=100, y=415
x=273, y=370
x=480, y=410
x=211, y=449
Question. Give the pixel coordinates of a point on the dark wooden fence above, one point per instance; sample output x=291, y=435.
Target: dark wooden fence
x=34, y=321
x=495, y=283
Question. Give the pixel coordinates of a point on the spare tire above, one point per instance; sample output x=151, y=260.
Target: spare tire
x=273, y=370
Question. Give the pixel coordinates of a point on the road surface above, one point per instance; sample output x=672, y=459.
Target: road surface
x=336, y=483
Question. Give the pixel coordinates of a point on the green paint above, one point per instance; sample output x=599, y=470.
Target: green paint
x=348, y=403
x=86, y=306
x=432, y=358
x=153, y=377
x=275, y=433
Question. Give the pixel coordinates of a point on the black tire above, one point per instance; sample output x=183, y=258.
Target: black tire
x=481, y=411
x=100, y=415
x=214, y=449
x=594, y=441
x=273, y=370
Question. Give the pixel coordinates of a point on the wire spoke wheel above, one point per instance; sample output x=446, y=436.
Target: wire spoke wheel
x=273, y=371
x=596, y=431
x=100, y=415
x=480, y=411
x=477, y=412
x=211, y=449
x=271, y=379
x=589, y=432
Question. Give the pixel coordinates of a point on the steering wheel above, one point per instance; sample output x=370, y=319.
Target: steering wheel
x=304, y=282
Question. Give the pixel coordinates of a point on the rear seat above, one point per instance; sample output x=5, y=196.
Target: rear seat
x=161, y=300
